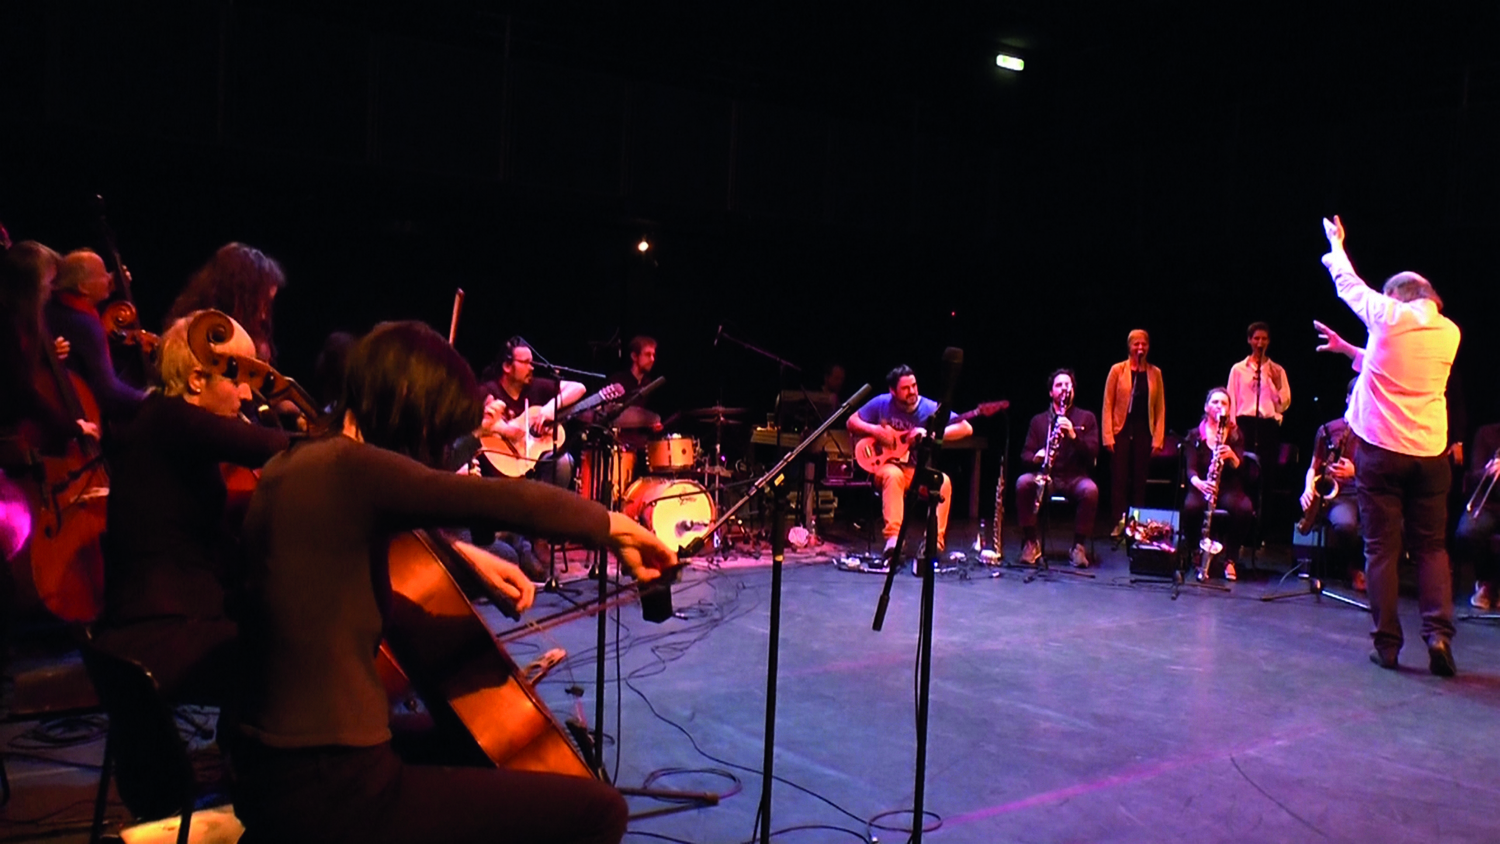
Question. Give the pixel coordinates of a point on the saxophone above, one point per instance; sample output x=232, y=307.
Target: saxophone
x=1207, y=547
x=1324, y=488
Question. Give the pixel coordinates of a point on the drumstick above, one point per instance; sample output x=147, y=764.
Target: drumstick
x=458, y=304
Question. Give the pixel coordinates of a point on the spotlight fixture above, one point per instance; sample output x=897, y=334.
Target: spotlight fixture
x=644, y=246
x=1010, y=62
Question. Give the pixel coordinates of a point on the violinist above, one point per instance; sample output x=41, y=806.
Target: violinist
x=83, y=282
x=313, y=761
x=241, y=281
x=171, y=547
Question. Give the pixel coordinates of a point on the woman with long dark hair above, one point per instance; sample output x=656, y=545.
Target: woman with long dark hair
x=1200, y=448
x=313, y=756
x=241, y=281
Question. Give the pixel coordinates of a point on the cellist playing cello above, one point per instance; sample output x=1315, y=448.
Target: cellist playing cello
x=171, y=549
x=313, y=758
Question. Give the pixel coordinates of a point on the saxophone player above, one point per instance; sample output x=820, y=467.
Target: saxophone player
x=1063, y=444
x=1480, y=521
x=1333, y=457
x=1200, y=447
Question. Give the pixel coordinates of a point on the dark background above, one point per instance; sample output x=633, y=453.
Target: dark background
x=828, y=180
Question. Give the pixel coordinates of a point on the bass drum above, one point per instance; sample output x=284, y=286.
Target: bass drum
x=678, y=512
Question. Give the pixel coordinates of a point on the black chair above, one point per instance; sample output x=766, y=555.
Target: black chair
x=144, y=751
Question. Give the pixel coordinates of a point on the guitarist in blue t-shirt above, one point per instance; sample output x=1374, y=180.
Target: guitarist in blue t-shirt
x=891, y=423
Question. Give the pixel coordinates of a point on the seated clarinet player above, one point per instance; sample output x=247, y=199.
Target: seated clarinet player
x=1214, y=452
x=1333, y=463
x=1063, y=444
x=312, y=756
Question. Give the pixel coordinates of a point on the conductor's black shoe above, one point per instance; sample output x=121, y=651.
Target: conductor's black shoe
x=1384, y=659
x=1440, y=658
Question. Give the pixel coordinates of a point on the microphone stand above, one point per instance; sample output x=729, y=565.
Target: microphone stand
x=927, y=483
x=782, y=366
x=779, y=481
x=1260, y=482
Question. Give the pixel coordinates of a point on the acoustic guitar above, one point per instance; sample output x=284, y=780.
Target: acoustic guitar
x=514, y=458
x=871, y=455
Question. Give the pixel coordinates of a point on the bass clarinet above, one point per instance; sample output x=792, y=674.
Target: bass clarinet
x=1207, y=547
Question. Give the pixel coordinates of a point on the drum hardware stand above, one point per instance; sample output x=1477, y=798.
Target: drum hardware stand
x=778, y=481
x=927, y=483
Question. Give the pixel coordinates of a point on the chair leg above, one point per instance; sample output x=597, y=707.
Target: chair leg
x=101, y=800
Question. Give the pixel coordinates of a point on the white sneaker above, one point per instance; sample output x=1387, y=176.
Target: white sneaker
x=1031, y=552
x=1079, y=557
x=1482, y=598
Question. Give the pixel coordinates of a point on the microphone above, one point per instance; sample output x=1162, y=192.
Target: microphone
x=953, y=363
x=718, y=334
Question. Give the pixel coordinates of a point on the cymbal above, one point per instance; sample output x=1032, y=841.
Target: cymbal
x=718, y=420
x=717, y=410
x=637, y=417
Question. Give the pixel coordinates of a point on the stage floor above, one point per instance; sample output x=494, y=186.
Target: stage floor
x=1063, y=710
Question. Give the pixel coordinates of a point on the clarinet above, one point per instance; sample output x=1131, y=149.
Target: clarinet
x=1054, y=442
x=1207, y=547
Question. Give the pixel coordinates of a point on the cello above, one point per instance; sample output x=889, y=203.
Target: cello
x=69, y=496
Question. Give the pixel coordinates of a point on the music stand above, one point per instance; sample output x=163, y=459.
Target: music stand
x=1317, y=539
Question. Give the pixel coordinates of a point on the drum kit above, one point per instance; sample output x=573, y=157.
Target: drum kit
x=677, y=497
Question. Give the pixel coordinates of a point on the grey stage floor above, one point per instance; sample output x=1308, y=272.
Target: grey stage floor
x=1066, y=711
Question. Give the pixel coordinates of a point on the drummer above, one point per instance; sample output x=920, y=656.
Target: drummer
x=637, y=424
x=642, y=359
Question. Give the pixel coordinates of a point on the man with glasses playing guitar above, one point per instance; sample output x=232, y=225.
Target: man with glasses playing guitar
x=889, y=425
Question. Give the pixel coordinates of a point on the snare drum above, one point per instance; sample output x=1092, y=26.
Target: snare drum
x=621, y=471
x=671, y=454
x=678, y=512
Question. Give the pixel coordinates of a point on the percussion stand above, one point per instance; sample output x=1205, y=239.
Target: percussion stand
x=782, y=366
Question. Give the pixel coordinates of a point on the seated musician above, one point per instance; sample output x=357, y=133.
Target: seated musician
x=1477, y=530
x=642, y=359
x=171, y=546
x=895, y=420
x=512, y=392
x=31, y=421
x=82, y=284
x=1199, y=448
x=1333, y=456
x=1077, y=433
x=314, y=760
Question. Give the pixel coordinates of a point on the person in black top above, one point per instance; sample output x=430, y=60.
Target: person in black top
x=512, y=391
x=72, y=313
x=1077, y=449
x=1478, y=529
x=31, y=422
x=170, y=546
x=314, y=760
x=241, y=281
x=1333, y=455
x=1199, y=448
x=642, y=359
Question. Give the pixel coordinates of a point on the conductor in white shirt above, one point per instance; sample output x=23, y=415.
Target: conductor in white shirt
x=1399, y=419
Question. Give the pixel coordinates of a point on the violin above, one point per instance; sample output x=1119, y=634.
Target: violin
x=122, y=323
